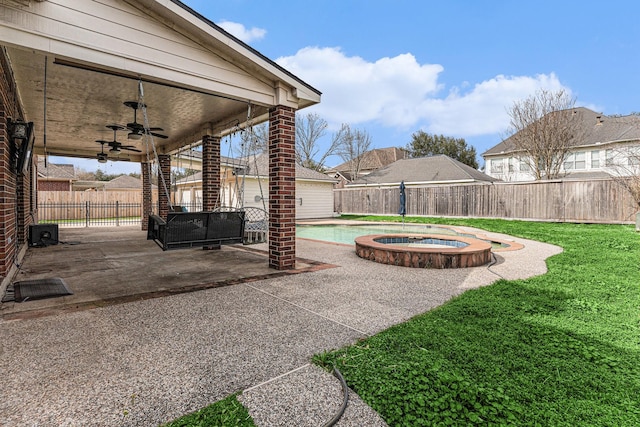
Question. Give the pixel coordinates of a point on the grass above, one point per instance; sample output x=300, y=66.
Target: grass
x=560, y=349
x=226, y=412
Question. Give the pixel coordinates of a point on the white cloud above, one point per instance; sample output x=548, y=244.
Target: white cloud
x=483, y=109
x=400, y=93
x=247, y=35
x=356, y=91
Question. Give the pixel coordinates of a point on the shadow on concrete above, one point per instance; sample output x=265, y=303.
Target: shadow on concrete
x=114, y=265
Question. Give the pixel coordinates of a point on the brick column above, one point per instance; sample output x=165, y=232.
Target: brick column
x=164, y=170
x=147, y=198
x=8, y=181
x=210, y=172
x=282, y=188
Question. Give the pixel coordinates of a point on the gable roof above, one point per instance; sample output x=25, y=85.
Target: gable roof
x=424, y=170
x=599, y=129
x=375, y=159
x=55, y=171
x=98, y=50
x=124, y=181
x=260, y=169
x=230, y=41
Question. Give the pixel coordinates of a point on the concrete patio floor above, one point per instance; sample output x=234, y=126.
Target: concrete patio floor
x=112, y=265
x=113, y=355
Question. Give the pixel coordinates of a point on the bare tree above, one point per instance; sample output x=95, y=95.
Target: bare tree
x=254, y=140
x=544, y=128
x=624, y=164
x=309, y=130
x=353, y=148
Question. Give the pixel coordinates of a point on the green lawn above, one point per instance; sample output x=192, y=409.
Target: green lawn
x=562, y=349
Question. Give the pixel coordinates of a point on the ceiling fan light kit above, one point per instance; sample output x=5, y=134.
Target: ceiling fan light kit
x=136, y=131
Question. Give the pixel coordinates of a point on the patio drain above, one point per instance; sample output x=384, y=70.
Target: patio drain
x=36, y=289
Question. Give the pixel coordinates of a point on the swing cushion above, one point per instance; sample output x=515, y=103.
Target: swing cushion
x=195, y=229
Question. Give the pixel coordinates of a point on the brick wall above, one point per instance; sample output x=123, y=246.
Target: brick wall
x=25, y=205
x=210, y=172
x=282, y=188
x=12, y=190
x=164, y=184
x=54, y=185
x=147, y=195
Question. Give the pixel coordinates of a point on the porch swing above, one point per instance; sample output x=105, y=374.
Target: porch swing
x=256, y=218
x=182, y=229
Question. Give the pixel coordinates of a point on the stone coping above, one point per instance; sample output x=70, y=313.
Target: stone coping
x=476, y=253
x=511, y=244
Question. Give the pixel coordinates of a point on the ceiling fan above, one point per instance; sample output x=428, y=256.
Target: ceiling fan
x=137, y=129
x=102, y=156
x=116, y=147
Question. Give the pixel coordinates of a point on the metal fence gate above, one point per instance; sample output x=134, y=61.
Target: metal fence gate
x=90, y=214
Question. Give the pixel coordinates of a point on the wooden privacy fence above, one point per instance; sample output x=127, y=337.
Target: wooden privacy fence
x=92, y=196
x=565, y=201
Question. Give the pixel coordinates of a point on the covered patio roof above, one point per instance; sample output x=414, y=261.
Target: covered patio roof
x=76, y=63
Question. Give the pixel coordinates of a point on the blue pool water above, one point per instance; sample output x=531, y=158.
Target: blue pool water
x=348, y=233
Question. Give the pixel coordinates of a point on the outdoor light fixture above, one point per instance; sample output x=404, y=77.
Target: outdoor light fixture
x=134, y=135
x=115, y=150
x=18, y=129
x=102, y=158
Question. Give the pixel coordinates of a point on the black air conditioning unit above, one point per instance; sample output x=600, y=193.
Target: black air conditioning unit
x=43, y=234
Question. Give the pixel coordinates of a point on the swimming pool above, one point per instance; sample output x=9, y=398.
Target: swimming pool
x=347, y=234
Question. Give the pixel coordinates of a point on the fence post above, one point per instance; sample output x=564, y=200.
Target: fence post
x=87, y=216
x=117, y=213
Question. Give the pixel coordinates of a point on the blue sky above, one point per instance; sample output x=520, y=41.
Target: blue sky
x=446, y=67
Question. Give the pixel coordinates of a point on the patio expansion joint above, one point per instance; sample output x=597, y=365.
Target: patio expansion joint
x=308, y=310
x=270, y=380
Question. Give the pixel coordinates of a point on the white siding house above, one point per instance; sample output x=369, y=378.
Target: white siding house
x=314, y=190
x=610, y=146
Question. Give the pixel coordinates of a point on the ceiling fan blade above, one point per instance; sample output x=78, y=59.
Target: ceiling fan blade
x=102, y=141
x=128, y=148
x=159, y=135
x=138, y=129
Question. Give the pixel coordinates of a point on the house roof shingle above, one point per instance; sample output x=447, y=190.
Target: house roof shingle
x=260, y=168
x=598, y=129
x=55, y=171
x=124, y=182
x=440, y=168
x=375, y=159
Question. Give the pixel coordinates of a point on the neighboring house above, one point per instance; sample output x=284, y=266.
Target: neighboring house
x=314, y=190
x=371, y=160
x=124, y=183
x=55, y=177
x=120, y=183
x=423, y=171
x=611, y=145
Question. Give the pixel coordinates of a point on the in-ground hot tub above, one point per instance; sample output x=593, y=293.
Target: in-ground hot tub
x=424, y=250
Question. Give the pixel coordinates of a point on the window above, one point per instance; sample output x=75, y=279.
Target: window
x=634, y=156
x=609, y=158
x=497, y=166
x=580, y=162
x=575, y=161
x=568, y=163
x=512, y=168
x=595, y=159
x=525, y=166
